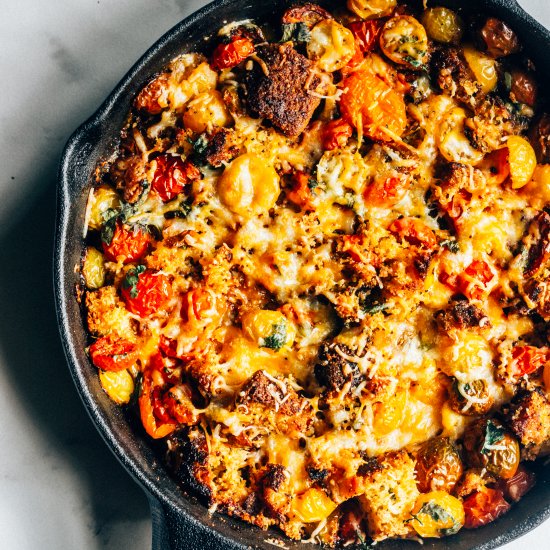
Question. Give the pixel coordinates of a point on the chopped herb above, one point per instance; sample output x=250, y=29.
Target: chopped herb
x=451, y=245
x=439, y=515
x=276, y=340
x=376, y=308
x=493, y=434
x=132, y=279
x=508, y=80
x=312, y=183
x=182, y=212
x=296, y=32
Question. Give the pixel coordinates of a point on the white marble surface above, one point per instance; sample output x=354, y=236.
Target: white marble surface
x=60, y=487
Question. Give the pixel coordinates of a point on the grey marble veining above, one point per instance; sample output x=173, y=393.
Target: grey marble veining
x=60, y=487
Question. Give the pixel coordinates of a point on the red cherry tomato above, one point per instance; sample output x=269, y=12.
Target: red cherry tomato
x=113, y=354
x=128, y=244
x=474, y=282
x=366, y=33
x=145, y=292
x=336, y=134
x=230, y=55
x=172, y=175
x=483, y=507
x=414, y=231
x=151, y=410
x=528, y=359
x=387, y=192
x=199, y=307
x=301, y=193
x=518, y=486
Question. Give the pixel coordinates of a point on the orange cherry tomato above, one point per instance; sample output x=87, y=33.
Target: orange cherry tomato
x=145, y=292
x=372, y=105
x=150, y=407
x=301, y=193
x=414, y=231
x=199, y=306
x=474, y=282
x=528, y=359
x=127, y=244
x=172, y=175
x=113, y=354
x=387, y=191
x=148, y=99
x=226, y=56
x=336, y=134
x=483, y=507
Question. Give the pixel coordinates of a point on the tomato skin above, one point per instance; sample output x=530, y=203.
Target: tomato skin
x=414, y=232
x=148, y=295
x=172, y=175
x=528, y=359
x=113, y=354
x=475, y=282
x=336, y=134
x=388, y=191
x=483, y=507
x=366, y=33
x=199, y=307
x=128, y=244
x=226, y=56
x=517, y=486
x=148, y=99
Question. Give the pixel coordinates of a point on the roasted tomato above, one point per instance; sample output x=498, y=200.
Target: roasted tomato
x=172, y=175
x=476, y=281
x=438, y=465
x=302, y=191
x=200, y=307
x=497, y=38
x=154, y=417
x=145, y=291
x=128, y=244
x=483, y=507
x=366, y=33
x=496, y=166
x=336, y=134
x=229, y=55
x=488, y=445
x=150, y=98
x=373, y=106
x=387, y=191
x=528, y=359
x=113, y=354
x=471, y=398
x=518, y=486
x=414, y=231
x=437, y=514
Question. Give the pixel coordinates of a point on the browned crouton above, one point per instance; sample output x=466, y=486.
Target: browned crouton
x=280, y=88
x=107, y=314
x=333, y=369
x=491, y=125
x=390, y=494
x=220, y=149
x=461, y=314
x=129, y=176
x=529, y=419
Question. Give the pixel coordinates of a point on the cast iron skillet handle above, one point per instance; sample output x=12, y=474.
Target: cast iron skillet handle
x=171, y=531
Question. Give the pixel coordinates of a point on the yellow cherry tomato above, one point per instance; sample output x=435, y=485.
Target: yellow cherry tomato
x=119, y=386
x=437, y=514
x=388, y=415
x=313, y=506
x=522, y=160
x=483, y=67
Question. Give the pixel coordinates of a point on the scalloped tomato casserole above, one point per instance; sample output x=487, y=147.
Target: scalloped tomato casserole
x=316, y=271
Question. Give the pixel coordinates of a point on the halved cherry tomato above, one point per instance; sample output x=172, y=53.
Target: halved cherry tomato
x=113, y=354
x=148, y=294
x=149, y=397
x=483, y=507
x=199, y=306
x=168, y=366
x=172, y=175
x=301, y=193
x=496, y=166
x=475, y=282
x=366, y=33
x=336, y=134
x=414, y=231
x=226, y=56
x=528, y=359
x=128, y=244
x=372, y=105
x=387, y=191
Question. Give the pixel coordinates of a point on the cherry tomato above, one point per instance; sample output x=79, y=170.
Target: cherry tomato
x=226, y=56
x=372, y=105
x=528, y=359
x=496, y=166
x=366, y=33
x=414, y=231
x=475, y=282
x=172, y=175
x=199, y=306
x=169, y=367
x=301, y=193
x=438, y=465
x=148, y=99
x=387, y=191
x=113, y=354
x=127, y=244
x=518, y=486
x=483, y=507
x=150, y=407
x=336, y=134
x=145, y=292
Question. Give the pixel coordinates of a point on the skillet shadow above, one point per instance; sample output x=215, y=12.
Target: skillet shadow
x=37, y=368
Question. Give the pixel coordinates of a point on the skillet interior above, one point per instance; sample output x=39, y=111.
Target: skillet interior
x=178, y=521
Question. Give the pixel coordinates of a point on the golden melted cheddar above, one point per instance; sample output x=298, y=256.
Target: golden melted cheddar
x=318, y=268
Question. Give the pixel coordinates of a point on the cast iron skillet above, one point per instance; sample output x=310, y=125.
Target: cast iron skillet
x=179, y=521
